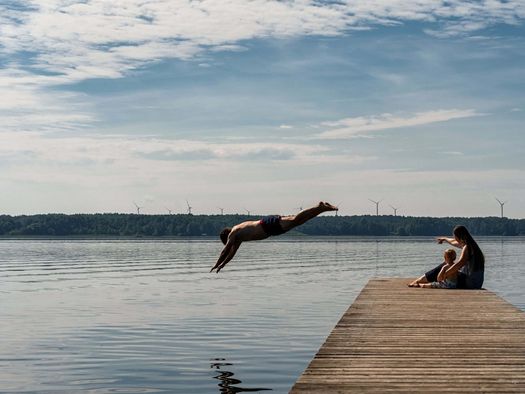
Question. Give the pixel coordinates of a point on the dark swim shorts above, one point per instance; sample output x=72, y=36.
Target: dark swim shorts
x=272, y=225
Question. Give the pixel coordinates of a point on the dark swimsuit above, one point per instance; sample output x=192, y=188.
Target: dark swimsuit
x=272, y=225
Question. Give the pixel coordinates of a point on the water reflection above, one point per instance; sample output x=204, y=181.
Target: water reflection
x=227, y=383
x=113, y=315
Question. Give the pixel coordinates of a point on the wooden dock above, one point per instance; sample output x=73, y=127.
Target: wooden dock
x=397, y=339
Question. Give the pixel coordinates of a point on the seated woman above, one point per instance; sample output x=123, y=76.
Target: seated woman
x=469, y=268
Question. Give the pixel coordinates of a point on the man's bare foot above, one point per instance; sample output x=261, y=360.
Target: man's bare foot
x=327, y=206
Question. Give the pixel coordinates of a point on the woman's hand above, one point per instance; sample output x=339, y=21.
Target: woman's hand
x=450, y=241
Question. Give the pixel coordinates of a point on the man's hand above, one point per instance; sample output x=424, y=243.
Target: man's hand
x=215, y=266
x=221, y=267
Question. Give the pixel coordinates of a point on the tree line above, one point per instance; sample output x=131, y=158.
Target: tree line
x=113, y=224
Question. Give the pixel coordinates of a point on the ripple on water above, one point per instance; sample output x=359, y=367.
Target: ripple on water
x=146, y=316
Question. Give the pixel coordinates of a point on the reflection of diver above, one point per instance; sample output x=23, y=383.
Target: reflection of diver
x=226, y=380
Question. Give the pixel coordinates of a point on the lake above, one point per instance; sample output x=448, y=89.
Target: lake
x=146, y=316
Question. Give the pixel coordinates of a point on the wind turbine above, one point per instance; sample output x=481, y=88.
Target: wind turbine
x=501, y=205
x=189, y=207
x=395, y=210
x=222, y=210
x=377, y=205
x=138, y=208
x=337, y=205
x=248, y=212
x=169, y=210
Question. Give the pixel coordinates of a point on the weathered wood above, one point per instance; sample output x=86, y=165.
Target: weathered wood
x=395, y=339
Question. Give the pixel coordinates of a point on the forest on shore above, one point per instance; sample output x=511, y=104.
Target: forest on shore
x=134, y=225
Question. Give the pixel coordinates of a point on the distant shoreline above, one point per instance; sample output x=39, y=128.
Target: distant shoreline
x=114, y=225
x=283, y=237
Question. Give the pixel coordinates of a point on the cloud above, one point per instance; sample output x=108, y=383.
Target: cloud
x=352, y=127
x=57, y=43
x=105, y=39
x=183, y=155
x=266, y=154
x=27, y=107
x=196, y=151
x=124, y=151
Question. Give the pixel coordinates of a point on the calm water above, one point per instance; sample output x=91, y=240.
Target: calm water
x=145, y=316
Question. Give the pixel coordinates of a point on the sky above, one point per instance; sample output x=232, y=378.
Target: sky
x=262, y=106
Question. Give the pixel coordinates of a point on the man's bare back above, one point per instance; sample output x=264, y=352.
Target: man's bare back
x=255, y=230
x=248, y=231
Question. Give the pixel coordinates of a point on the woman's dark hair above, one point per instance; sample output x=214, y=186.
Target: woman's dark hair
x=476, y=257
x=224, y=234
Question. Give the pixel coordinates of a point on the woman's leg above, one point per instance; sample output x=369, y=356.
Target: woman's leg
x=428, y=277
x=431, y=276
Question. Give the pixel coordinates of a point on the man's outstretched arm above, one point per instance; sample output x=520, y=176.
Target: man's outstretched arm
x=223, y=255
x=226, y=255
x=230, y=255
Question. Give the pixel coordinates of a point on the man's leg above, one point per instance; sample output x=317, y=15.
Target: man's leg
x=289, y=222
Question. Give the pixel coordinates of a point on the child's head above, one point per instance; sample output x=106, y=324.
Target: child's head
x=450, y=255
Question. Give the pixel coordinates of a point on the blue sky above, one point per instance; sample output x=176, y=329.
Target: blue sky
x=263, y=105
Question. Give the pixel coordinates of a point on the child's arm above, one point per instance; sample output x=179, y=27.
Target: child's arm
x=441, y=275
x=454, y=268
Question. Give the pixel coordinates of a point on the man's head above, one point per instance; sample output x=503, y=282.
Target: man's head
x=450, y=256
x=224, y=234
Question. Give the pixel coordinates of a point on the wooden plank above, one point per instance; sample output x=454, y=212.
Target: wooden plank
x=395, y=339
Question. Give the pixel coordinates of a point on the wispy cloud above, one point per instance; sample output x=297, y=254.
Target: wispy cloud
x=252, y=152
x=25, y=106
x=105, y=39
x=57, y=43
x=352, y=127
x=122, y=150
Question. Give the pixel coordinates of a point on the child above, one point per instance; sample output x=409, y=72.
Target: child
x=449, y=283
